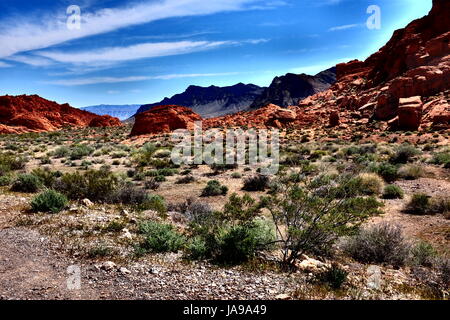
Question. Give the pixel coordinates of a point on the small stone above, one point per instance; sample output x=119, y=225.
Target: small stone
x=88, y=203
x=108, y=265
x=282, y=296
x=124, y=270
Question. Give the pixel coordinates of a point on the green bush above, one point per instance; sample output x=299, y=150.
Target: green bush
x=387, y=171
x=49, y=201
x=61, y=152
x=370, y=184
x=238, y=243
x=27, y=183
x=256, y=183
x=404, y=153
x=411, y=172
x=197, y=249
x=441, y=158
x=393, y=192
x=440, y=205
x=80, y=151
x=334, y=276
x=422, y=254
x=5, y=180
x=214, y=188
x=161, y=237
x=419, y=204
x=381, y=243
x=11, y=162
x=95, y=185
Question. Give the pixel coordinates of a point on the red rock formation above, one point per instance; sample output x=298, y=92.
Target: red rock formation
x=19, y=114
x=266, y=117
x=163, y=119
x=410, y=113
x=104, y=121
x=415, y=62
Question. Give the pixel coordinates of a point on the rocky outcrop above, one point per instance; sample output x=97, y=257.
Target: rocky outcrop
x=269, y=116
x=164, y=119
x=414, y=63
x=19, y=114
x=104, y=121
x=410, y=113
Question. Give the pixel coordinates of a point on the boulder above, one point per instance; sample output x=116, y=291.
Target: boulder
x=105, y=121
x=410, y=113
x=164, y=119
x=334, y=119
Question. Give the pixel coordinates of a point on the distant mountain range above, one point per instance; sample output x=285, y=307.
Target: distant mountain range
x=210, y=102
x=122, y=112
x=290, y=89
x=213, y=101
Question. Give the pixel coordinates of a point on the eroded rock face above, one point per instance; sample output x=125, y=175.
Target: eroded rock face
x=19, y=114
x=270, y=116
x=415, y=62
x=410, y=113
x=104, y=121
x=164, y=119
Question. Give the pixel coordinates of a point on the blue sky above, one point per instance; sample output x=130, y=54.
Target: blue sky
x=133, y=52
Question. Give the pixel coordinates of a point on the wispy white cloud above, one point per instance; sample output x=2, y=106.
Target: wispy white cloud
x=344, y=27
x=27, y=34
x=97, y=80
x=4, y=65
x=113, y=55
x=31, y=60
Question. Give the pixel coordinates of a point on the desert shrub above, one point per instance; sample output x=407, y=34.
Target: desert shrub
x=314, y=222
x=152, y=184
x=11, y=162
x=334, y=276
x=185, y=180
x=60, y=152
x=80, y=151
x=214, y=188
x=130, y=195
x=236, y=175
x=49, y=201
x=404, y=153
x=96, y=185
x=231, y=236
x=440, y=205
x=382, y=243
x=370, y=183
x=154, y=202
x=27, y=183
x=161, y=237
x=419, y=204
x=197, y=249
x=47, y=177
x=387, y=171
x=256, y=183
x=5, y=180
x=222, y=167
x=441, y=158
x=144, y=156
x=422, y=254
x=238, y=243
x=393, y=192
x=411, y=172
